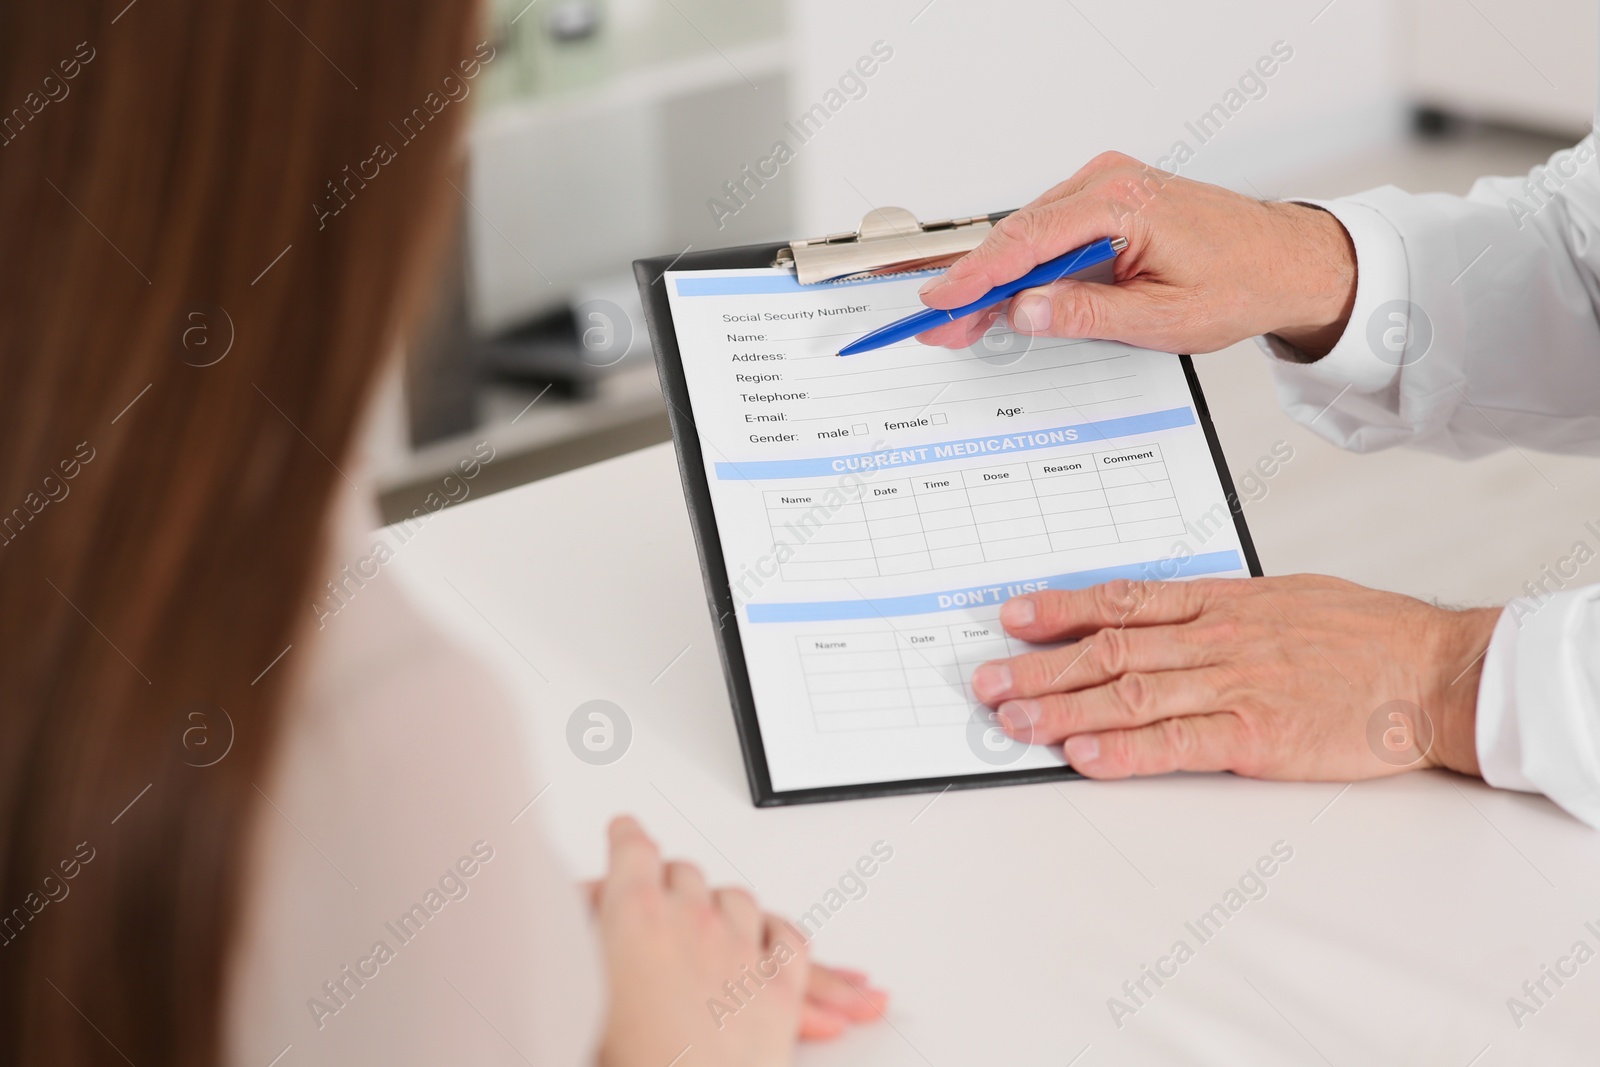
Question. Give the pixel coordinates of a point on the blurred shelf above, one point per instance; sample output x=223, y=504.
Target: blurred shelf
x=631, y=88
x=1497, y=64
x=534, y=435
x=568, y=187
x=632, y=38
x=587, y=152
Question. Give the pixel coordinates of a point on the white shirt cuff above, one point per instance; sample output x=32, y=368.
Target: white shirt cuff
x=1371, y=351
x=1539, y=699
x=1499, y=735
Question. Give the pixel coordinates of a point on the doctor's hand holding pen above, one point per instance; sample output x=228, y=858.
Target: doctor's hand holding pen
x=1204, y=268
x=1272, y=678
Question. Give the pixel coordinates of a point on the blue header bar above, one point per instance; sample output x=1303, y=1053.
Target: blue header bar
x=945, y=451
x=992, y=595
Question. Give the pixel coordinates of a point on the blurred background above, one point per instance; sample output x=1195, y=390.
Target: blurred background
x=607, y=130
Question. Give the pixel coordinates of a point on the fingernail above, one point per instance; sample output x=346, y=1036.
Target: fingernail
x=991, y=680
x=931, y=286
x=1032, y=314
x=1018, y=716
x=1017, y=613
x=1085, y=748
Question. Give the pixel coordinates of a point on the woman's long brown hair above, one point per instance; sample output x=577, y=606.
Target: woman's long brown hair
x=200, y=272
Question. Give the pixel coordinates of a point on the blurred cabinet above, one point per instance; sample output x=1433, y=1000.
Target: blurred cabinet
x=602, y=131
x=589, y=153
x=1527, y=64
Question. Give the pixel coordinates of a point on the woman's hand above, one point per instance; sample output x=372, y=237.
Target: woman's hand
x=1288, y=678
x=1204, y=267
x=700, y=976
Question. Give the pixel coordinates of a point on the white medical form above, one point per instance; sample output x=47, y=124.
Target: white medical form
x=861, y=519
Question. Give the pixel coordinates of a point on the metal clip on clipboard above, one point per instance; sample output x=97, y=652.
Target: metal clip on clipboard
x=890, y=241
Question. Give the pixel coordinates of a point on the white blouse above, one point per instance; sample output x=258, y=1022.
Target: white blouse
x=398, y=909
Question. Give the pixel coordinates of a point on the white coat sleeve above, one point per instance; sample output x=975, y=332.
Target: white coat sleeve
x=1476, y=326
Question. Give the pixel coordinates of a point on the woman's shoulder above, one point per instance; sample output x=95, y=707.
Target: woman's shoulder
x=392, y=898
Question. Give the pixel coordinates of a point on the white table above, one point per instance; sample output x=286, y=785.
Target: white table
x=1411, y=910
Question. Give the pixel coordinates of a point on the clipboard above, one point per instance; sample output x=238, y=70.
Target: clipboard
x=890, y=241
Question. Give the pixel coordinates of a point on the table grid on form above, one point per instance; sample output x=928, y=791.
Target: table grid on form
x=912, y=677
x=975, y=515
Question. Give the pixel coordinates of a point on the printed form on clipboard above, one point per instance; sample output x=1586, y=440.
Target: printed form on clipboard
x=872, y=513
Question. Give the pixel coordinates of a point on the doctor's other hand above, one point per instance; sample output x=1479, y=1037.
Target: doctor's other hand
x=701, y=977
x=1266, y=677
x=1204, y=268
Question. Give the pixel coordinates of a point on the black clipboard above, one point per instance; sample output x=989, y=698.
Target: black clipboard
x=650, y=275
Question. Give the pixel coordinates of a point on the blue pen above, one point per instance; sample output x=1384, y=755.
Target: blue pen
x=1051, y=270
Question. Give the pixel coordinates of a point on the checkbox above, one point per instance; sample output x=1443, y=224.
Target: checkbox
x=859, y=428
x=937, y=418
